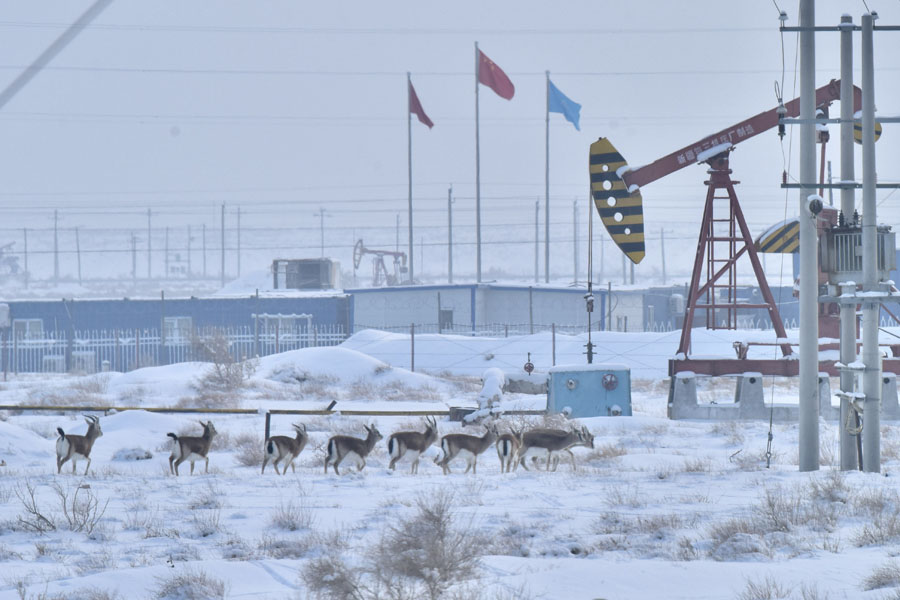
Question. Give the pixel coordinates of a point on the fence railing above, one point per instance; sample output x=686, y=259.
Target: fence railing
x=128, y=349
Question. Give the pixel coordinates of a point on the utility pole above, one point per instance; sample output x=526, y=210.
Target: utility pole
x=223, y=244
x=662, y=245
x=56, y=245
x=78, y=254
x=321, y=215
x=602, y=258
x=450, y=234
x=27, y=276
x=575, y=238
x=871, y=306
x=133, y=258
x=204, y=250
x=189, y=239
x=238, y=241
x=149, y=249
x=848, y=442
x=166, y=255
x=537, y=241
x=809, y=326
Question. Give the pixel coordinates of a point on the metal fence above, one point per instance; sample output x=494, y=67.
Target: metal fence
x=482, y=330
x=128, y=349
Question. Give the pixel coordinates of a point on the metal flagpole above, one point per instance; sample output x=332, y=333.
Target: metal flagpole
x=477, y=177
x=547, y=187
x=409, y=164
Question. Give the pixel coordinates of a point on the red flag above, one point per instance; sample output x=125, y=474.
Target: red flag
x=415, y=107
x=493, y=76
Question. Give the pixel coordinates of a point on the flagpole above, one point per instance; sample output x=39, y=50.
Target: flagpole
x=477, y=176
x=547, y=188
x=409, y=164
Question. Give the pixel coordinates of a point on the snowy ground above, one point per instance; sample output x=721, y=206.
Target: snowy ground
x=657, y=509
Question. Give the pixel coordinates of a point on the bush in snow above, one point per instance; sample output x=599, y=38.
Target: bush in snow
x=190, y=584
x=225, y=373
x=887, y=575
x=132, y=454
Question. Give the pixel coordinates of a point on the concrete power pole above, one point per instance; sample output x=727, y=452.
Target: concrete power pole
x=871, y=306
x=849, y=455
x=809, y=326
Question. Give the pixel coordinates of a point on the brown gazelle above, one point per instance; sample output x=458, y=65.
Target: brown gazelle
x=191, y=448
x=587, y=440
x=412, y=443
x=544, y=442
x=508, y=446
x=341, y=446
x=282, y=447
x=467, y=447
x=77, y=447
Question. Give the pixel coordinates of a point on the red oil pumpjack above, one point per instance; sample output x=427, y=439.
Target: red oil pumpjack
x=724, y=235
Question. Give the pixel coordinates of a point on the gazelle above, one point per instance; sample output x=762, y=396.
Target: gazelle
x=341, y=446
x=587, y=440
x=412, y=443
x=77, y=447
x=508, y=446
x=192, y=448
x=545, y=442
x=467, y=447
x=282, y=447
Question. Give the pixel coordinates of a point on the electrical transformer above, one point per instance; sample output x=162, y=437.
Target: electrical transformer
x=597, y=390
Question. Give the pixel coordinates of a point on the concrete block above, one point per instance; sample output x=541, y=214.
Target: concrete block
x=683, y=397
x=748, y=396
x=826, y=410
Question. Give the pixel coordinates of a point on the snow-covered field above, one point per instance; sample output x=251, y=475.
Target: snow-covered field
x=657, y=509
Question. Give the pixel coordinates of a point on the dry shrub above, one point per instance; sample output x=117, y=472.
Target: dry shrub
x=190, y=584
x=764, y=589
x=248, y=447
x=697, y=465
x=225, y=373
x=737, y=538
x=64, y=397
x=208, y=497
x=881, y=507
x=210, y=398
x=463, y=383
x=206, y=522
x=420, y=556
x=887, y=575
x=732, y=431
x=628, y=496
x=292, y=516
x=606, y=452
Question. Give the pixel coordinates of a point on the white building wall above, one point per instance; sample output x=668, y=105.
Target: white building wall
x=399, y=307
x=627, y=310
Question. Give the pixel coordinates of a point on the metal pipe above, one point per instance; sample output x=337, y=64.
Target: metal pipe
x=871, y=357
x=809, y=327
x=849, y=455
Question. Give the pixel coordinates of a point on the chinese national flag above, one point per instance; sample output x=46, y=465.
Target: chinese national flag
x=415, y=107
x=493, y=76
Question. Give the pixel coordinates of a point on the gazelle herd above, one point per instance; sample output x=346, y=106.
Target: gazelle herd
x=513, y=448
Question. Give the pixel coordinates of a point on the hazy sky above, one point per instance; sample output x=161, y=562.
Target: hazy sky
x=282, y=107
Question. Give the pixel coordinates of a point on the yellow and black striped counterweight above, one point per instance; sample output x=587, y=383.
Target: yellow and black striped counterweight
x=622, y=212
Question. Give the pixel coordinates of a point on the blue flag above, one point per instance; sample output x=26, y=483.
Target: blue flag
x=558, y=102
